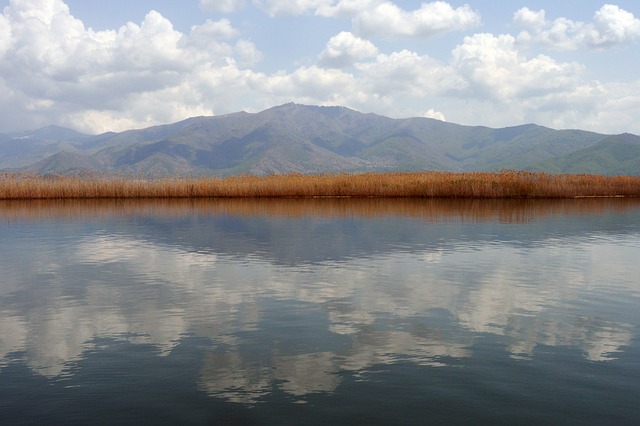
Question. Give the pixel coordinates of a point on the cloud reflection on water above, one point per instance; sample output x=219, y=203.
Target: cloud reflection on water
x=427, y=282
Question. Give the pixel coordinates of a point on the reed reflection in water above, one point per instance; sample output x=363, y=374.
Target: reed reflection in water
x=307, y=297
x=434, y=209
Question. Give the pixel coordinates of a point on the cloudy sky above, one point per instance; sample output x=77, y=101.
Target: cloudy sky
x=97, y=66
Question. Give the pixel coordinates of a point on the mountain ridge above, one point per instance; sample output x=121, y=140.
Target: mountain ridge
x=316, y=139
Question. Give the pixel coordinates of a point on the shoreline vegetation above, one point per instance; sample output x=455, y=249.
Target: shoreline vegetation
x=504, y=184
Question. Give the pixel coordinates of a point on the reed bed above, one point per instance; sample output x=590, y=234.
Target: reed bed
x=507, y=184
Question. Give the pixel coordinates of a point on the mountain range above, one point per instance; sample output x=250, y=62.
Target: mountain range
x=313, y=139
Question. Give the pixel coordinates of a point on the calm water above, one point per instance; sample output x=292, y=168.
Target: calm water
x=320, y=312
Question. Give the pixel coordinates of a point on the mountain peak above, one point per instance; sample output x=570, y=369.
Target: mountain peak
x=295, y=106
x=51, y=132
x=302, y=138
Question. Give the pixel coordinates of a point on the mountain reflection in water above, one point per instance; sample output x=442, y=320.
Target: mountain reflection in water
x=291, y=295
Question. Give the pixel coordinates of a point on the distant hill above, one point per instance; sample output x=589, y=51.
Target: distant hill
x=614, y=155
x=24, y=148
x=314, y=139
x=66, y=162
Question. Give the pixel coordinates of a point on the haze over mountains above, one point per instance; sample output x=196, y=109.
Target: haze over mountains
x=312, y=139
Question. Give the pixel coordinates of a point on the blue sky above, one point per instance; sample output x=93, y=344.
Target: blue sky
x=97, y=66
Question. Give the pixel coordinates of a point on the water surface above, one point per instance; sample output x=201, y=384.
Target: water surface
x=320, y=311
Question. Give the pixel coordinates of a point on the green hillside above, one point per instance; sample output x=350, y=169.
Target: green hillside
x=614, y=155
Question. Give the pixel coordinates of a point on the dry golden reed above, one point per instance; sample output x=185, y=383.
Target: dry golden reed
x=506, y=184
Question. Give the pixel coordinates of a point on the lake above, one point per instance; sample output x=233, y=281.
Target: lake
x=320, y=311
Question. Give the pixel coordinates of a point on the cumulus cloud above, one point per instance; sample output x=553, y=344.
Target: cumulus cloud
x=496, y=69
x=213, y=30
x=504, y=85
x=346, y=8
x=224, y=6
x=528, y=18
x=410, y=74
x=382, y=18
x=291, y=7
x=437, y=115
x=246, y=54
x=56, y=70
x=389, y=20
x=5, y=35
x=312, y=84
x=344, y=49
x=611, y=26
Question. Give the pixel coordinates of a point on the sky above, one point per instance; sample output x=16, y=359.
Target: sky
x=98, y=66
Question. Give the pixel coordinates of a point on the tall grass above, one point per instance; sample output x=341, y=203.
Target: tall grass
x=507, y=184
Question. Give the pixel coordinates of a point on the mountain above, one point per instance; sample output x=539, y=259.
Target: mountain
x=25, y=148
x=614, y=155
x=66, y=162
x=313, y=139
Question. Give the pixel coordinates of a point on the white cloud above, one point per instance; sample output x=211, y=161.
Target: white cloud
x=346, y=8
x=409, y=74
x=389, y=20
x=213, y=30
x=528, y=18
x=246, y=53
x=611, y=26
x=44, y=11
x=309, y=85
x=5, y=35
x=496, y=69
x=137, y=75
x=344, y=49
x=503, y=87
x=151, y=46
x=614, y=26
x=224, y=6
x=382, y=18
x=437, y=115
x=55, y=70
x=291, y=7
